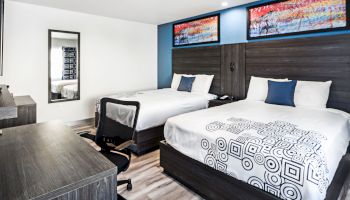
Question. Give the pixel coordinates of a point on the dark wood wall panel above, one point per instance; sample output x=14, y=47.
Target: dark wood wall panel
x=313, y=59
x=199, y=60
x=233, y=70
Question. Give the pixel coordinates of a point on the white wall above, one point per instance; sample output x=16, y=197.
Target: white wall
x=116, y=55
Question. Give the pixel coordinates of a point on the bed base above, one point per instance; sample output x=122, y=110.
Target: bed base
x=213, y=184
x=148, y=140
x=56, y=96
x=145, y=141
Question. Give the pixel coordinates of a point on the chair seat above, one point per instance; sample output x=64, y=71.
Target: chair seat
x=119, y=160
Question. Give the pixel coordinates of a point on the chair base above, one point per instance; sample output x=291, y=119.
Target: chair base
x=128, y=182
x=120, y=197
x=87, y=135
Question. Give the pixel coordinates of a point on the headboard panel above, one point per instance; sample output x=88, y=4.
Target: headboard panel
x=199, y=60
x=313, y=59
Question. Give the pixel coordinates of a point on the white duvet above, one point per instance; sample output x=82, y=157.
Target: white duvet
x=292, y=153
x=57, y=86
x=156, y=106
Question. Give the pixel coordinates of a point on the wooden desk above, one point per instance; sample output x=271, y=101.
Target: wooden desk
x=25, y=111
x=15, y=111
x=49, y=161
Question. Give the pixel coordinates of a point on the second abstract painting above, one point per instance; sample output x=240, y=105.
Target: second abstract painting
x=296, y=16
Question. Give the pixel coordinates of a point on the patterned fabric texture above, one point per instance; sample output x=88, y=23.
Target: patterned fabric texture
x=286, y=157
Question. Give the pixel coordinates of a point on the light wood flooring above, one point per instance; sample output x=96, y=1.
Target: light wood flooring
x=148, y=180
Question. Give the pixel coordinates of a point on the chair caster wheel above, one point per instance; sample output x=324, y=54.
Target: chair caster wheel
x=129, y=187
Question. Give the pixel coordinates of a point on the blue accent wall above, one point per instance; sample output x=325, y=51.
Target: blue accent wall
x=165, y=46
x=233, y=25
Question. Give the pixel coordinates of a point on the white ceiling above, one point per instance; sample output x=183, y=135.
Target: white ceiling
x=147, y=11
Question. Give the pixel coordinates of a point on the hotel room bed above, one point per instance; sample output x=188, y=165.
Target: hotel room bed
x=285, y=151
x=156, y=107
x=58, y=86
x=248, y=150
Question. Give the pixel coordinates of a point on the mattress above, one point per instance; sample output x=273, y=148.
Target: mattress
x=292, y=153
x=70, y=91
x=156, y=106
x=56, y=86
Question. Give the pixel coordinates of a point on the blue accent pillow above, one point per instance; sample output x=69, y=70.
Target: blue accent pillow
x=186, y=84
x=281, y=93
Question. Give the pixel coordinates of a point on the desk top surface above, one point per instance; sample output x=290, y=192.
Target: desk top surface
x=41, y=159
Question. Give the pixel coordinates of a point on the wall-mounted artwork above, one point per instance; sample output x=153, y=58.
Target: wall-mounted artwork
x=198, y=31
x=291, y=17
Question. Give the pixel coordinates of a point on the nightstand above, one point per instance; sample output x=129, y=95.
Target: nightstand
x=219, y=102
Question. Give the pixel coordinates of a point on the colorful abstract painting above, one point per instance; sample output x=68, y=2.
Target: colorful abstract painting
x=199, y=31
x=295, y=17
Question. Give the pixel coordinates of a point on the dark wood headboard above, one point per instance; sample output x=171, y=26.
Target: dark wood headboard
x=199, y=60
x=312, y=59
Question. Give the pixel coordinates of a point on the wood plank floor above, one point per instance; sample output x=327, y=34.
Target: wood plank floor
x=149, y=181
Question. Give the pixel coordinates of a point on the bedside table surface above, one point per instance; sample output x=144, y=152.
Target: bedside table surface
x=219, y=102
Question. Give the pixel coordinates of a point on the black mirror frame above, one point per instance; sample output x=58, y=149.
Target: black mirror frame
x=49, y=71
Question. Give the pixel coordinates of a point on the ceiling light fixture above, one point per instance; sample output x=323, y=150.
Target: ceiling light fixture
x=224, y=4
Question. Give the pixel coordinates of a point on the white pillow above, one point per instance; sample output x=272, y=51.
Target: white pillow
x=312, y=94
x=258, y=88
x=202, y=83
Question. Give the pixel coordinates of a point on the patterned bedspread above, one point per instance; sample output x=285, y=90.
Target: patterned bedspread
x=289, y=156
x=291, y=153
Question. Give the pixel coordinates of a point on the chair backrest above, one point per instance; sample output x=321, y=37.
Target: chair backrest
x=111, y=131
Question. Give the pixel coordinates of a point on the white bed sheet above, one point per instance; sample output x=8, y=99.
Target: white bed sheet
x=156, y=106
x=56, y=86
x=70, y=91
x=290, y=152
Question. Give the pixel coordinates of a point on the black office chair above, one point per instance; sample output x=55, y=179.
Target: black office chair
x=115, y=142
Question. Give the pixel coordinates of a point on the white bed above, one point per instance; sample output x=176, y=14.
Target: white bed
x=70, y=91
x=156, y=106
x=57, y=86
x=290, y=152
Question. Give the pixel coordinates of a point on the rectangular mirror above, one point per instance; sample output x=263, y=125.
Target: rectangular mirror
x=64, y=66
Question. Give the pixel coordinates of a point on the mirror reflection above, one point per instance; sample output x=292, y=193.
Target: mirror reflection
x=64, y=69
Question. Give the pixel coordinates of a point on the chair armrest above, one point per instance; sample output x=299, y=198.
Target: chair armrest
x=121, y=146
